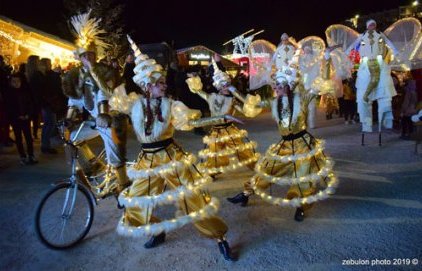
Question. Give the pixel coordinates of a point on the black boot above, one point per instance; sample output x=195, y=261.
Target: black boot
x=225, y=250
x=300, y=214
x=155, y=240
x=239, y=198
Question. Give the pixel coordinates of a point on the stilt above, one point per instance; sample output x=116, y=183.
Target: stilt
x=379, y=130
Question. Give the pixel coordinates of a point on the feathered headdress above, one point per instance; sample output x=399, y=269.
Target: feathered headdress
x=219, y=78
x=88, y=34
x=146, y=70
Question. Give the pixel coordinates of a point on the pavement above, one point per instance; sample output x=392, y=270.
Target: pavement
x=373, y=222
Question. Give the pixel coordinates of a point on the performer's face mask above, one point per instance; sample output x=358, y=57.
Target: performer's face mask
x=372, y=26
x=280, y=88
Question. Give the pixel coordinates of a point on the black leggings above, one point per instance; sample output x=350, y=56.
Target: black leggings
x=349, y=109
x=19, y=127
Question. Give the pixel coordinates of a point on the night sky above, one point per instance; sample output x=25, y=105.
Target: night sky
x=209, y=23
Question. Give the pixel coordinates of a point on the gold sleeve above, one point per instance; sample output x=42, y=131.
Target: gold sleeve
x=252, y=106
x=326, y=69
x=181, y=116
x=195, y=86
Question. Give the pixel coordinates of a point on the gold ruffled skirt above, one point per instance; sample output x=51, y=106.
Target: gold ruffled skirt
x=299, y=164
x=227, y=148
x=167, y=176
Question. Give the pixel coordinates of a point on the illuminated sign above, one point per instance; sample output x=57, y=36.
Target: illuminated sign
x=200, y=56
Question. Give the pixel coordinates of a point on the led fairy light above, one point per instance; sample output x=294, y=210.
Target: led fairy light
x=210, y=209
x=121, y=101
x=297, y=202
x=134, y=173
x=169, y=197
x=230, y=151
x=231, y=166
x=325, y=171
x=319, y=148
x=226, y=138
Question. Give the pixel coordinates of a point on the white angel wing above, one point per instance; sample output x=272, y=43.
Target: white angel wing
x=311, y=53
x=405, y=34
x=337, y=34
x=315, y=43
x=260, y=55
x=342, y=64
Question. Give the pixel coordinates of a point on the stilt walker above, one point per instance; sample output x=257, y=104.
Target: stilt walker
x=374, y=81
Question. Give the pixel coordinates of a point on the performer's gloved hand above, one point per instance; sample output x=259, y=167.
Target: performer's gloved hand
x=103, y=120
x=366, y=98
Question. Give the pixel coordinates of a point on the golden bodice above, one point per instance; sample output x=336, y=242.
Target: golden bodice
x=291, y=122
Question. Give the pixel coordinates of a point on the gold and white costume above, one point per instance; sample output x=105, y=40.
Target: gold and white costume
x=227, y=147
x=374, y=81
x=163, y=173
x=297, y=160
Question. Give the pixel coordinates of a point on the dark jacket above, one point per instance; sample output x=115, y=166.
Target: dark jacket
x=51, y=92
x=19, y=102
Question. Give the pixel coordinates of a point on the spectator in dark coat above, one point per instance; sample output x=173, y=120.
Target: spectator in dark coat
x=408, y=107
x=34, y=78
x=50, y=103
x=19, y=108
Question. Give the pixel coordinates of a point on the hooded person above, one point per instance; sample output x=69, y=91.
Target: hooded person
x=297, y=161
x=89, y=86
x=374, y=81
x=162, y=164
x=226, y=146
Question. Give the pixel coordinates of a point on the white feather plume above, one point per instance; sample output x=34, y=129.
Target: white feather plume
x=87, y=30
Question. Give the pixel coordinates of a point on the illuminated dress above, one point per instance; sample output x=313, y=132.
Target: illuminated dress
x=162, y=164
x=227, y=147
x=297, y=160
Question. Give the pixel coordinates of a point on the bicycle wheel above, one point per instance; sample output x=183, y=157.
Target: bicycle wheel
x=64, y=216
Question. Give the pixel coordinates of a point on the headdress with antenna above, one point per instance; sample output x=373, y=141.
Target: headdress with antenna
x=88, y=34
x=146, y=70
x=219, y=78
